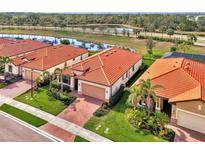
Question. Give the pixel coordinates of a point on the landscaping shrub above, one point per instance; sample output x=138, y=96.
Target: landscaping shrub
x=115, y=98
x=57, y=85
x=155, y=123
x=103, y=110
x=65, y=97
x=43, y=79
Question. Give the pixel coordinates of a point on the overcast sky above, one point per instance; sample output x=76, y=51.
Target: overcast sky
x=102, y=6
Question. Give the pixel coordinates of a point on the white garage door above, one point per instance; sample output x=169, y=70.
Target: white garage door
x=191, y=121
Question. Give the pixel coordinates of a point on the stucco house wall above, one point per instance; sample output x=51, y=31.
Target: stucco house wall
x=110, y=91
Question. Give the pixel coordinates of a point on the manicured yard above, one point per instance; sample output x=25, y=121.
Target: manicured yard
x=24, y=116
x=118, y=128
x=42, y=101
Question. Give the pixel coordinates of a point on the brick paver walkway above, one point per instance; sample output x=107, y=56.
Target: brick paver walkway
x=57, y=121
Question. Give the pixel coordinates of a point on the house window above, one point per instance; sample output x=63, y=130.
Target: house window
x=133, y=68
x=65, y=64
x=66, y=79
x=73, y=59
x=81, y=57
x=10, y=69
x=127, y=75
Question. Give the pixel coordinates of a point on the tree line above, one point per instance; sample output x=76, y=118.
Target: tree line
x=150, y=22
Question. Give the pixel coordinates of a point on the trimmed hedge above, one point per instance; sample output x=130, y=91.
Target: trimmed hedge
x=56, y=85
x=115, y=98
x=65, y=97
x=103, y=110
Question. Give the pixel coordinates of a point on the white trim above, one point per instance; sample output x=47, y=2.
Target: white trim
x=177, y=109
x=35, y=129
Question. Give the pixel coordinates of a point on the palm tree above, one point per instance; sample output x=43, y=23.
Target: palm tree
x=148, y=90
x=4, y=60
x=136, y=96
x=59, y=74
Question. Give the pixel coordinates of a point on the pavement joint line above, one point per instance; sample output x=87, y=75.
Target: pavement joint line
x=57, y=121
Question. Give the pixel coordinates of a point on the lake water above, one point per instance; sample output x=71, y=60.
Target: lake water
x=55, y=41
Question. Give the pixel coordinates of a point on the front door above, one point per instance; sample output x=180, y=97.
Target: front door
x=76, y=84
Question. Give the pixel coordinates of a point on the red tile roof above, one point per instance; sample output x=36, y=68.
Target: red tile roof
x=106, y=67
x=182, y=79
x=2, y=41
x=16, y=47
x=45, y=58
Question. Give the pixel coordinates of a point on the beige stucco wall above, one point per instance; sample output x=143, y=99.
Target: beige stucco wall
x=197, y=106
x=121, y=81
x=15, y=69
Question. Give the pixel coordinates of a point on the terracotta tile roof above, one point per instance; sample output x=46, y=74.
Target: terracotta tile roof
x=182, y=79
x=45, y=58
x=106, y=67
x=2, y=41
x=16, y=47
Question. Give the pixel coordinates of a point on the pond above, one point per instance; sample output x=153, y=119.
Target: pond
x=53, y=40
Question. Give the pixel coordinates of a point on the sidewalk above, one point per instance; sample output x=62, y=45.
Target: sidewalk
x=57, y=121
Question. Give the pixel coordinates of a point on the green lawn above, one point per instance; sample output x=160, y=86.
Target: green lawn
x=80, y=139
x=24, y=116
x=119, y=128
x=138, y=44
x=42, y=101
x=2, y=85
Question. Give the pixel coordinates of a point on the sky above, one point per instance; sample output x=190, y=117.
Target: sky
x=76, y=6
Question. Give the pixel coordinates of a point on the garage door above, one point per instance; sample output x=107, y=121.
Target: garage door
x=27, y=75
x=191, y=121
x=93, y=91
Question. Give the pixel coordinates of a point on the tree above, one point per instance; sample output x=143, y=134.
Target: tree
x=65, y=41
x=191, y=38
x=151, y=29
x=136, y=96
x=150, y=45
x=181, y=27
x=115, y=30
x=162, y=29
x=170, y=32
x=184, y=47
x=59, y=74
x=123, y=32
x=128, y=33
x=148, y=90
x=136, y=31
x=4, y=60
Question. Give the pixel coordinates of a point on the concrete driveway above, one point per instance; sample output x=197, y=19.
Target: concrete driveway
x=79, y=112
x=186, y=135
x=15, y=89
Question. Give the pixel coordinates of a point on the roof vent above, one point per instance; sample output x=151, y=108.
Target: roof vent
x=106, y=55
x=111, y=52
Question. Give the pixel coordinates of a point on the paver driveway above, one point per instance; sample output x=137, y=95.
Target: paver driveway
x=79, y=112
x=15, y=89
x=186, y=135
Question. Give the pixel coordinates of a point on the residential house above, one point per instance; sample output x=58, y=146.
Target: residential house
x=46, y=59
x=183, y=92
x=101, y=75
x=15, y=48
